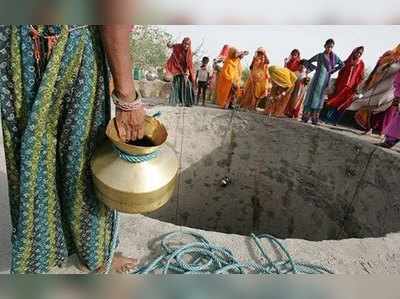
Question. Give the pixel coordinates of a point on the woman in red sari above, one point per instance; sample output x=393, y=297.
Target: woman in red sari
x=180, y=65
x=347, y=83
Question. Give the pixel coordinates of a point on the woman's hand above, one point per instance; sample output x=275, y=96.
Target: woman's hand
x=130, y=124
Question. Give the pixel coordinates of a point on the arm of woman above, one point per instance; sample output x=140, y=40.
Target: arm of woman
x=130, y=124
x=170, y=45
x=339, y=65
x=309, y=64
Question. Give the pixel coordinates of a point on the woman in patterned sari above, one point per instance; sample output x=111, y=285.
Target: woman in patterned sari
x=295, y=104
x=374, y=108
x=55, y=105
x=328, y=63
x=258, y=83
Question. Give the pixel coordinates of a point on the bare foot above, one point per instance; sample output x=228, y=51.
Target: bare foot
x=83, y=268
x=368, y=133
x=122, y=264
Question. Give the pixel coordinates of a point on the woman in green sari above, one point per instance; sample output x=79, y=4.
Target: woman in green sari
x=54, y=107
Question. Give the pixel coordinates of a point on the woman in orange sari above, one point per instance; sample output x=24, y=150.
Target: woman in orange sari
x=217, y=67
x=257, y=85
x=230, y=78
x=283, y=82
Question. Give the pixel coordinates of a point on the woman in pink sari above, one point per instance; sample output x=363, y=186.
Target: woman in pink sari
x=392, y=130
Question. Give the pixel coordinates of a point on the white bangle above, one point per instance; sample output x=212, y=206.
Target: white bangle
x=127, y=106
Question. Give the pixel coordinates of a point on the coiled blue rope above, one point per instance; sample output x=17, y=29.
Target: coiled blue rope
x=135, y=158
x=202, y=257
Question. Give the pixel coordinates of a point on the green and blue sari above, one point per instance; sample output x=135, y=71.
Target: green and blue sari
x=54, y=113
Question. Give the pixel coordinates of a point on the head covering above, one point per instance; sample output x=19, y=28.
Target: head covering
x=224, y=52
x=282, y=76
x=263, y=51
x=232, y=53
x=387, y=58
x=390, y=56
x=179, y=58
x=350, y=59
x=293, y=63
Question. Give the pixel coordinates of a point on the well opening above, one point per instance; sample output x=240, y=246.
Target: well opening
x=288, y=179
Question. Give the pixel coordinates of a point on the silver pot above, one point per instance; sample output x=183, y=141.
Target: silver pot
x=150, y=76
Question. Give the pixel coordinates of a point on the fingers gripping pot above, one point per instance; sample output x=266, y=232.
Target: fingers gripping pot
x=135, y=178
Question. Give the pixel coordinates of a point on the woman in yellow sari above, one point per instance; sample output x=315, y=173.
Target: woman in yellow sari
x=230, y=78
x=257, y=85
x=283, y=82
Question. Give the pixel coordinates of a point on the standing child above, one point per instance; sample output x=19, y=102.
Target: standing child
x=203, y=80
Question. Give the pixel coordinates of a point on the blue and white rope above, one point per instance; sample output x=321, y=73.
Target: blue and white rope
x=136, y=158
x=202, y=257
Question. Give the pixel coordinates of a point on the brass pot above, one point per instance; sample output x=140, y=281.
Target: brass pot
x=135, y=187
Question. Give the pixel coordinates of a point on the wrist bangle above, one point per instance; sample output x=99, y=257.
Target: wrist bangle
x=127, y=106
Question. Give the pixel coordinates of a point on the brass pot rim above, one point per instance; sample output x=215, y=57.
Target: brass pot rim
x=151, y=125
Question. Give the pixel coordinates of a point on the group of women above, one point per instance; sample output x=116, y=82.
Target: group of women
x=287, y=91
x=280, y=90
